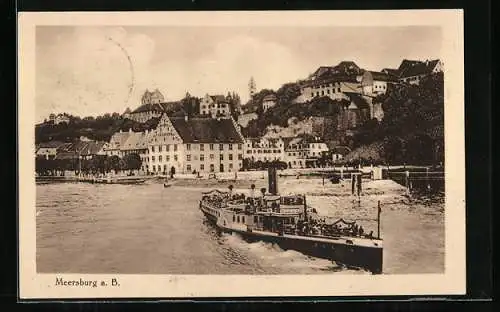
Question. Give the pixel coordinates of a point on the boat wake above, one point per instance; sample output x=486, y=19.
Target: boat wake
x=276, y=260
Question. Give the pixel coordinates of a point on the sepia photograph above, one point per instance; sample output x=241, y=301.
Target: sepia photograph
x=216, y=151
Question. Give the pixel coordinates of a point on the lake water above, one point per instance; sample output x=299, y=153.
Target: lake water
x=140, y=229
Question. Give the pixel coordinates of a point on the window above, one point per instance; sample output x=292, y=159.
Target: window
x=188, y=157
x=175, y=157
x=160, y=158
x=240, y=156
x=202, y=147
x=230, y=166
x=240, y=146
x=159, y=149
x=212, y=167
x=211, y=147
x=188, y=147
x=221, y=156
x=167, y=147
x=153, y=148
x=188, y=167
x=242, y=219
x=175, y=147
x=221, y=147
x=211, y=156
x=234, y=218
x=202, y=157
x=202, y=167
x=164, y=168
x=154, y=168
x=255, y=219
x=238, y=219
x=230, y=156
x=167, y=158
x=230, y=146
x=153, y=159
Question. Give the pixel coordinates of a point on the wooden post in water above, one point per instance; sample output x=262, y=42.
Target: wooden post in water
x=359, y=188
x=427, y=179
x=379, y=210
x=407, y=182
x=352, y=183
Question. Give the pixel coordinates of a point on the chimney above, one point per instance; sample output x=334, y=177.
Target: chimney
x=272, y=181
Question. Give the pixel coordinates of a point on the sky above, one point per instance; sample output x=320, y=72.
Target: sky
x=89, y=71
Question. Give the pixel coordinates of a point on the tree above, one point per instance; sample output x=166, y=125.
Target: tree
x=114, y=163
x=133, y=162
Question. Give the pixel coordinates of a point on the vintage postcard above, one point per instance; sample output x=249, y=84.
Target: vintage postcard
x=237, y=154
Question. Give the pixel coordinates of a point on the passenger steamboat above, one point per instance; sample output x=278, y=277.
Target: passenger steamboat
x=289, y=222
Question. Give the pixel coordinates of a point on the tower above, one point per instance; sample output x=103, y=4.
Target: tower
x=251, y=87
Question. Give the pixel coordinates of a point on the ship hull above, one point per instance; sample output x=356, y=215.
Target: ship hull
x=350, y=255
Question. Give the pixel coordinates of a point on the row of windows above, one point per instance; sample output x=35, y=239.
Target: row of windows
x=270, y=158
x=190, y=168
x=160, y=148
x=220, y=105
x=324, y=86
x=263, y=145
x=238, y=219
x=380, y=86
x=303, y=154
x=221, y=157
x=323, y=92
x=167, y=158
x=263, y=151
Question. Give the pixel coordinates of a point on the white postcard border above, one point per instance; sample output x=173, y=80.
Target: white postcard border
x=34, y=286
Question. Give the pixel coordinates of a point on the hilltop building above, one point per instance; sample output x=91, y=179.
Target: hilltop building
x=411, y=71
x=154, y=97
x=268, y=101
x=215, y=106
x=59, y=118
x=332, y=81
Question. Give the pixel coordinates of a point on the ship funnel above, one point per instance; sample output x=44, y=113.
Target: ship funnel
x=272, y=180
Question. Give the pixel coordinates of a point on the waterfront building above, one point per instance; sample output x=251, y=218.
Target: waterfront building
x=265, y=149
x=137, y=143
x=48, y=150
x=116, y=142
x=187, y=145
x=300, y=151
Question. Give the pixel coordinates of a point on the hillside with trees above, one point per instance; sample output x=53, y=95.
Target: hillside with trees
x=412, y=130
